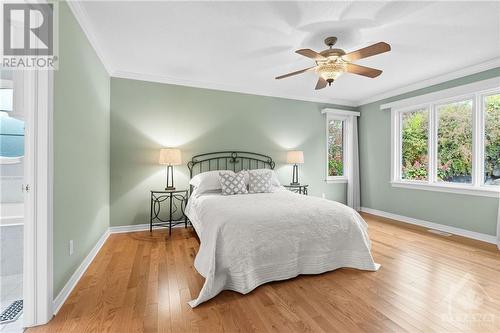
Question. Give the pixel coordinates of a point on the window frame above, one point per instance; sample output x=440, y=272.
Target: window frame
x=477, y=186
x=345, y=138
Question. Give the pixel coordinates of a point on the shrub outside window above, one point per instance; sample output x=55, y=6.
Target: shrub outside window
x=492, y=139
x=454, y=142
x=415, y=144
x=451, y=144
x=335, y=148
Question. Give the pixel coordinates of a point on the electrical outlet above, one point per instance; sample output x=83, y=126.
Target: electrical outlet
x=323, y=195
x=70, y=247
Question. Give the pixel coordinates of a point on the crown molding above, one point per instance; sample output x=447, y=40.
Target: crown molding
x=82, y=18
x=224, y=87
x=490, y=64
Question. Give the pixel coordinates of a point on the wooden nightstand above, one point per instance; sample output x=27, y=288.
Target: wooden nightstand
x=175, y=202
x=300, y=189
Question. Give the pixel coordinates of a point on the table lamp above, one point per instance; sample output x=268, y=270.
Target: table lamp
x=295, y=157
x=170, y=157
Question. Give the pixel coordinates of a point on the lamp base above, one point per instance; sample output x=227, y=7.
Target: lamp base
x=169, y=188
x=294, y=183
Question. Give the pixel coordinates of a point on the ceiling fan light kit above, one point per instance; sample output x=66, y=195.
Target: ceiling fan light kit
x=332, y=63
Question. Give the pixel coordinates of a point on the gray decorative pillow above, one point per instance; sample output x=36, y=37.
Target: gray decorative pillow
x=260, y=182
x=232, y=183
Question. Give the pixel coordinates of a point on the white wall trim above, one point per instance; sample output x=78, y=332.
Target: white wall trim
x=443, y=95
x=477, y=68
x=336, y=180
x=223, y=87
x=431, y=225
x=339, y=112
x=128, y=228
x=482, y=191
x=77, y=275
x=139, y=227
x=83, y=20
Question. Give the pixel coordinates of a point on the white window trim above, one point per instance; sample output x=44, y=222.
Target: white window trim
x=476, y=95
x=347, y=117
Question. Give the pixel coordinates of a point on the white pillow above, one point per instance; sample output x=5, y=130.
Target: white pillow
x=208, y=181
x=274, y=178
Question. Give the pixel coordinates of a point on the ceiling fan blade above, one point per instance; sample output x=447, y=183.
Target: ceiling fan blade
x=321, y=83
x=295, y=73
x=310, y=54
x=367, y=51
x=362, y=70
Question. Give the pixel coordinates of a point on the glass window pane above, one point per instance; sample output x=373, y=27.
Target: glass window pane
x=335, y=148
x=454, y=149
x=492, y=140
x=6, y=96
x=414, y=145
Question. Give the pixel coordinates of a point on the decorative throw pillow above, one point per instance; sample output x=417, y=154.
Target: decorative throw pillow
x=274, y=178
x=260, y=182
x=233, y=183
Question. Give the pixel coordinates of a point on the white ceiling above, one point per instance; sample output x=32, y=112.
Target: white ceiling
x=242, y=46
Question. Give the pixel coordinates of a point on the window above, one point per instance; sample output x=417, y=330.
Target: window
x=335, y=147
x=454, y=142
x=341, y=126
x=450, y=144
x=492, y=139
x=6, y=97
x=414, y=144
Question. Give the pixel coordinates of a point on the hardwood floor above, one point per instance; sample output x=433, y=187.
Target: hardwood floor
x=141, y=283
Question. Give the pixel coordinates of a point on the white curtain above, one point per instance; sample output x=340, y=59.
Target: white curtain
x=498, y=225
x=353, y=189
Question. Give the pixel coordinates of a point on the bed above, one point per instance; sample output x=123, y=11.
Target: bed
x=251, y=239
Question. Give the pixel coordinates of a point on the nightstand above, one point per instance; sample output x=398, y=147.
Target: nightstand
x=300, y=189
x=175, y=201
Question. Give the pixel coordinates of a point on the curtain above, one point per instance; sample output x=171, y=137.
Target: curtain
x=353, y=188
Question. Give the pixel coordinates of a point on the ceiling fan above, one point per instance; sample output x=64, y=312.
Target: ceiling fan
x=331, y=63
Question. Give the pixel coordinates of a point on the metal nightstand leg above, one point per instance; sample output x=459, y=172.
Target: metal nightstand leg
x=170, y=217
x=151, y=215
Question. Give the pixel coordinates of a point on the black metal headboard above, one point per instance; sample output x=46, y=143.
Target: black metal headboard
x=229, y=160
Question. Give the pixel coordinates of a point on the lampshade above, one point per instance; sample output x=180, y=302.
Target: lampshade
x=295, y=157
x=171, y=156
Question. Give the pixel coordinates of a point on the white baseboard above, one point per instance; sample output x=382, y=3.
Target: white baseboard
x=128, y=228
x=70, y=285
x=431, y=225
x=138, y=227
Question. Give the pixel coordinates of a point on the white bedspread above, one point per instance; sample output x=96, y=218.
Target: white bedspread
x=248, y=240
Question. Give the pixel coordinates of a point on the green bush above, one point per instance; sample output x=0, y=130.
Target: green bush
x=454, y=141
x=414, y=147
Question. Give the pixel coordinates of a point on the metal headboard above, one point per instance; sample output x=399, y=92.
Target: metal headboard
x=228, y=160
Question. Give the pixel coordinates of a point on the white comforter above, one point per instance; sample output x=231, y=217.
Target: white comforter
x=248, y=240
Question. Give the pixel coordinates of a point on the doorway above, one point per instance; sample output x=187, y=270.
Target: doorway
x=25, y=198
x=12, y=205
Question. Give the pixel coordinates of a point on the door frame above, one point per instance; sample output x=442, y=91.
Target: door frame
x=38, y=235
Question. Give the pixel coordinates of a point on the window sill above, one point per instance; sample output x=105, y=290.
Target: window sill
x=340, y=180
x=484, y=191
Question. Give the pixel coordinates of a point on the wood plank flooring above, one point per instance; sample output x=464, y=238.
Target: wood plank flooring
x=141, y=282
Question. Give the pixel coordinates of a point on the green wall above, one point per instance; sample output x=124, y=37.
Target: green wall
x=147, y=116
x=473, y=213
x=81, y=149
